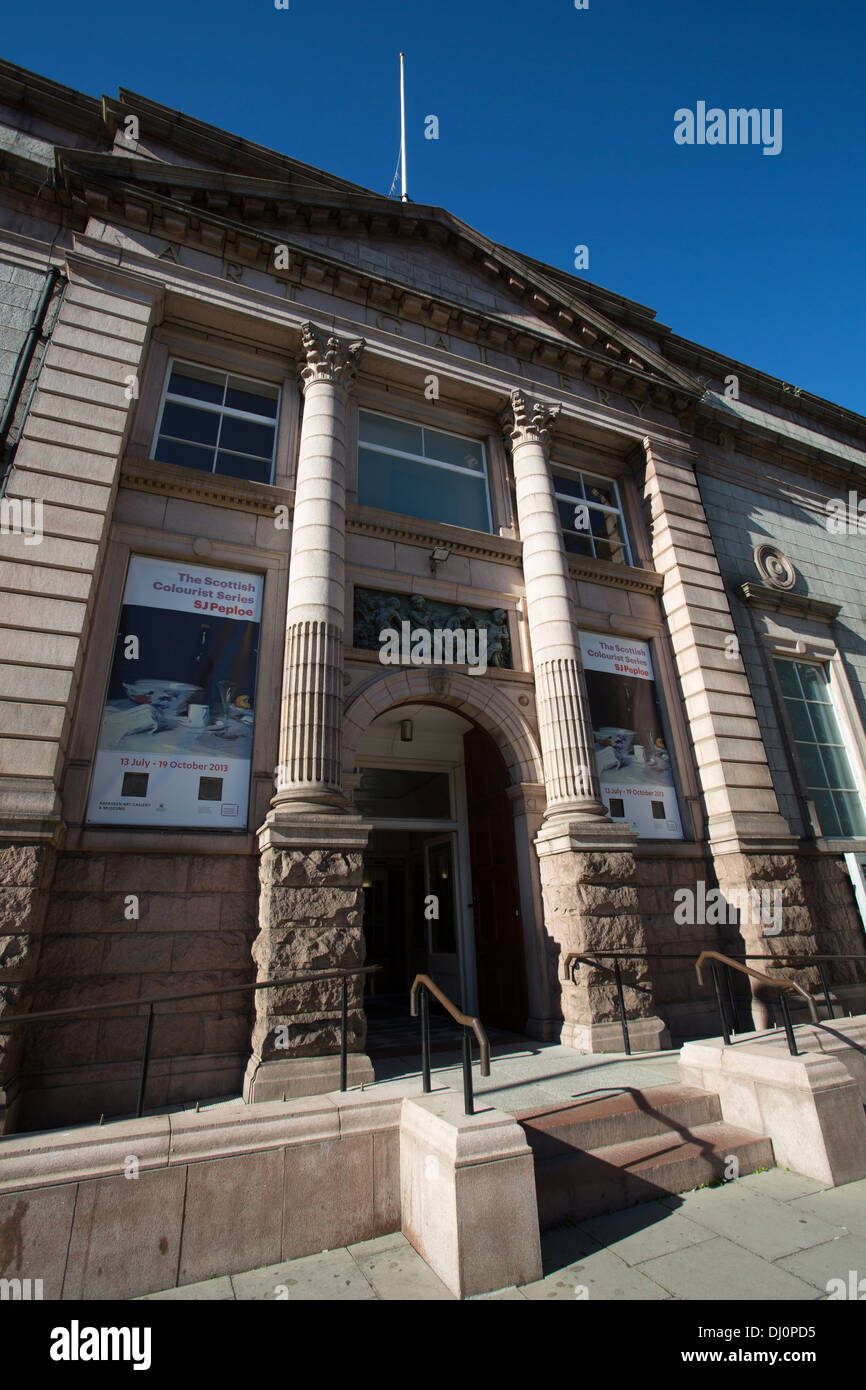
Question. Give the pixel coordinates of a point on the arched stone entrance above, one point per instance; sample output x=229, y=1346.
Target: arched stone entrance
x=472, y=755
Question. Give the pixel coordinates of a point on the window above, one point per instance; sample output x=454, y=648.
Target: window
x=401, y=794
x=591, y=516
x=820, y=749
x=422, y=472
x=218, y=422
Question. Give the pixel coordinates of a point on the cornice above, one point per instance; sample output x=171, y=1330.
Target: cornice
x=639, y=581
x=213, y=489
x=366, y=521
x=210, y=489
x=741, y=471
x=799, y=605
x=591, y=348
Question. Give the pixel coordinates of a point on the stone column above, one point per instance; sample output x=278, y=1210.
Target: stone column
x=312, y=705
x=588, y=870
x=565, y=731
x=310, y=871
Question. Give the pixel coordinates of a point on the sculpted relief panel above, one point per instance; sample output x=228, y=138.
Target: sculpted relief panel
x=377, y=612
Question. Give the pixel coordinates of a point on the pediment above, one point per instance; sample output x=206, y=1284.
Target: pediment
x=406, y=260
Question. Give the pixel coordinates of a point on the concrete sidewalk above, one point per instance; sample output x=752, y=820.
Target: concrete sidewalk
x=769, y=1237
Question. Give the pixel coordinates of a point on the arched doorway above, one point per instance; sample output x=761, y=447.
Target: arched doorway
x=441, y=886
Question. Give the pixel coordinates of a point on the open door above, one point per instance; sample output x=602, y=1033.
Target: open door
x=499, y=954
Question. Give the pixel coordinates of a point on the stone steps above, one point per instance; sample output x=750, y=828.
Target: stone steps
x=603, y=1155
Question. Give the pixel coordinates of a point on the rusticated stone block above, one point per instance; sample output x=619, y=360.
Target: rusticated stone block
x=284, y=907
x=297, y=949
x=307, y=1038
x=311, y=868
x=17, y=908
x=312, y=997
x=13, y=953
x=25, y=866
x=605, y=868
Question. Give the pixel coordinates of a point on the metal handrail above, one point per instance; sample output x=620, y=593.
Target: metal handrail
x=799, y=958
x=782, y=985
x=587, y=957
x=423, y=983
x=302, y=978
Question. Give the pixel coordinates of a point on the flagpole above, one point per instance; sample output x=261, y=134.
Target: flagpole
x=405, y=196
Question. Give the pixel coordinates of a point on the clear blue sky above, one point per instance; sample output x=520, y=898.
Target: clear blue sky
x=556, y=128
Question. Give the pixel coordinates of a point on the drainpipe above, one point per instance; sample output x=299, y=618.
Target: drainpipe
x=22, y=367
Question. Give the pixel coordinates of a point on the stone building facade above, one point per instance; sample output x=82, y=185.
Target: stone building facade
x=251, y=412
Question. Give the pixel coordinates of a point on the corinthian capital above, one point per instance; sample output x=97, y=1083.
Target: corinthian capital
x=528, y=420
x=329, y=359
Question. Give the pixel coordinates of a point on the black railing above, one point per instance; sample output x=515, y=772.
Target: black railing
x=422, y=985
x=798, y=961
x=314, y=976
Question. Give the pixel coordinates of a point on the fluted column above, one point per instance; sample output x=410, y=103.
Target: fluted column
x=309, y=775
x=311, y=897
x=589, y=880
x=562, y=706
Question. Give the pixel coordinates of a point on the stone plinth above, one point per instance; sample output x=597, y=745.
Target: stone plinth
x=310, y=919
x=810, y=1106
x=589, y=884
x=467, y=1187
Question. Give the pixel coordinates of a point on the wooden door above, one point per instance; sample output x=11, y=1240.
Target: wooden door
x=501, y=968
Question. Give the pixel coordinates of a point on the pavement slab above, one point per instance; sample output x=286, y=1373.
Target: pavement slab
x=401, y=1273
x=835, y=1260
x=644, y=1232
x=720, y=1269
x=329, y=1277
x=599, y=1275
x=757, y=1223
x=842, y=1206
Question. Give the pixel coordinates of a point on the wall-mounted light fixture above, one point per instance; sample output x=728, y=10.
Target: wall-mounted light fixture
x=406, y=731
x=438, y=556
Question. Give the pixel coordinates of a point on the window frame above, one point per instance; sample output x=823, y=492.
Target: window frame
x=484, y=475
x=567, y=470
x=847, y=742
x=222, y=411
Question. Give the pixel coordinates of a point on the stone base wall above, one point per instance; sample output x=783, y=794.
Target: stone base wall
x=26, y=873
x=195, y=927
x=771, y=873
x=688, y=1009
x=839, y=930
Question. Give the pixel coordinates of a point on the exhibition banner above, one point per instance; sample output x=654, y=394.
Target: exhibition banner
x=175, y=743
x=634, y=765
